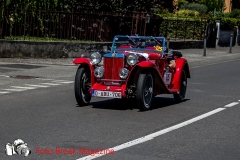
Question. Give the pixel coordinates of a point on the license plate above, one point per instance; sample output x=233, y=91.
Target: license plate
x=96, y=93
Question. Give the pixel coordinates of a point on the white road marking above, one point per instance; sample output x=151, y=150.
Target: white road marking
x=38, y=86
x=156, y=134
x=24, y=87
x=59, y=80
x=45, y=79
x=51, y=84
x=4, y=76
x=231, y=104
x=239, y=100
x=67, y=82
x=62, y=81
x=18, y=90
x=32, y=86
x=4, y=92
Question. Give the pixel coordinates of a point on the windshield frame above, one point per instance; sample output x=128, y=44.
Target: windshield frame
x=140, y=50
x=162, y=43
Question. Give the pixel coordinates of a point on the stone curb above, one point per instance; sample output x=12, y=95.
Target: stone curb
x=31, y=49
x=194, y=57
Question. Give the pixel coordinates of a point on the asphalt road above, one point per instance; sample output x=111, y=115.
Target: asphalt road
x=37, y=105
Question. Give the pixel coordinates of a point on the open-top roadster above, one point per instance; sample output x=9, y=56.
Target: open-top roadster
x=137, y=67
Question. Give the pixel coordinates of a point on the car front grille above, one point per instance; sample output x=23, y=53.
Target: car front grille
x=112, y=67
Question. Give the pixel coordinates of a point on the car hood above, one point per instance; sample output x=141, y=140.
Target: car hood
x=147, y=54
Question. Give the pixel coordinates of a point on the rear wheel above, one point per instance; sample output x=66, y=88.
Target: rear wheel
x=82, y=86
x=183, y=88
x=144, y=94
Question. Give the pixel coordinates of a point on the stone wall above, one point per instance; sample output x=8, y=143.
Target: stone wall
x=31, y=49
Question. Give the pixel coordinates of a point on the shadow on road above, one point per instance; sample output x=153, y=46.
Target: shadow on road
x=128, y=104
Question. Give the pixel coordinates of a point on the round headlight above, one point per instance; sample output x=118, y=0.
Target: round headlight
x=96, y=58
x=123, y=73
x=98, y=72
x=132, y=59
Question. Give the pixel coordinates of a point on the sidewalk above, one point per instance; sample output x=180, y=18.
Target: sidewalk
x=213, y=55
x=194, y=56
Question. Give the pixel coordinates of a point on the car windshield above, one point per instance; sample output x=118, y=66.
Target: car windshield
x=139, y=43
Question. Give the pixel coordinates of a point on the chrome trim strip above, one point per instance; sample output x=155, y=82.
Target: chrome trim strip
x=111, y=80
x=117, y=55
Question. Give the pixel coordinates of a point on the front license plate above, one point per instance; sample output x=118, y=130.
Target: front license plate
x=96, y=93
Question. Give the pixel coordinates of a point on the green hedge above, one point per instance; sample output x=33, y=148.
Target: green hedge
x=192, y=27
x=227, y=20
x=187, y=13
x=235, y=13
x=201, y=8
x=183, y=28
x=226, y=23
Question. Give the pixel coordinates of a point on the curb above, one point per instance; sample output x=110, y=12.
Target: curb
x=31, y=49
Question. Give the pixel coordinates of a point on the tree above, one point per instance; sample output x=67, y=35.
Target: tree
x=195, y=1
x=217, y=5
x=212, y=5
x=120, y=6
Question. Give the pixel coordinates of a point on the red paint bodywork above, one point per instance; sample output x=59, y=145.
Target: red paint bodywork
x=180, y=64
x=155, y=64
x=85, y=62
x=112, y=67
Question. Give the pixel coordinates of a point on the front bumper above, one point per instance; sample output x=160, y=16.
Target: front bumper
x=100, y=87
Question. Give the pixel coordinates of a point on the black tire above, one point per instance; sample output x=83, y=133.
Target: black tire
x=183, y=88
x=82, y=86
x=144, y=93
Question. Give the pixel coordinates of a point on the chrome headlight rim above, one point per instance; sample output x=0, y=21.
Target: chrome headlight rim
x=132, y=59
x=99, y=72
x=123, y=73
x=95, y=58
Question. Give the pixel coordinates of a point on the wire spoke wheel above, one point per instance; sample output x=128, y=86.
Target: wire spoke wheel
x=144, y=92
x=148, y=91
x=183, y=88
x=82, y=87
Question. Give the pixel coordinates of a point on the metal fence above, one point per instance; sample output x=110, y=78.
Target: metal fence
x=89, y=25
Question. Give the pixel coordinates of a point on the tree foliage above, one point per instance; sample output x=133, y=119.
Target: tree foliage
x=235, y=13
x=201, y=8
x=195, y=1
x=212, y=5
x=120, y=6
x=188, y=13
x=217, y=5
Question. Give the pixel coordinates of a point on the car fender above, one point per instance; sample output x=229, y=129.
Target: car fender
x=181, y=63
x=146, y=64
x=159, y=85
x=85, y=62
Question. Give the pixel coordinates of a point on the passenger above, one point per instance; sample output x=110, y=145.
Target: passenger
x=172, y=64
x=171, y=60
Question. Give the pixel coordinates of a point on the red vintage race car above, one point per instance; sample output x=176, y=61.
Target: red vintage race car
x=137, y=67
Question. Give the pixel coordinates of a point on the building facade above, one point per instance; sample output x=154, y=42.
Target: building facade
x=228, y=6
x=231, y=4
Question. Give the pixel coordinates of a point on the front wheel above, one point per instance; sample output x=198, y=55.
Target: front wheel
x=82, y=87
x=183, y=88
x=144, y=93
